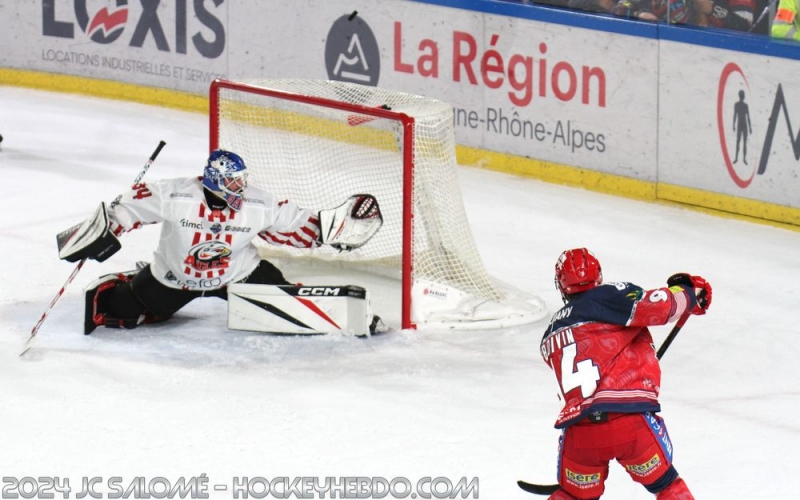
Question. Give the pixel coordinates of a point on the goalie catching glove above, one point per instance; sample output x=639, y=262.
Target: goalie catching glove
x=91, y=239
x=352, y=224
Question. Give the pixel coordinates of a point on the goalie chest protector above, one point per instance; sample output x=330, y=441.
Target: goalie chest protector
x=299, y=309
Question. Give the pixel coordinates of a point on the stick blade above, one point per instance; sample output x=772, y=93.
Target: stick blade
x=31, y=341
x=538, y=489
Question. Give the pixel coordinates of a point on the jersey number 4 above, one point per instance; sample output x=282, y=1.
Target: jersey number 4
x=583, y=374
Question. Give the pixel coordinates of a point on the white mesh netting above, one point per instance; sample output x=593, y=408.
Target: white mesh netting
x=317, y=156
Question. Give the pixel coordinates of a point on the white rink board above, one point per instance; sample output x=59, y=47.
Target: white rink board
x=660, y=115
x=159, y=49
x=438, y=52
x=696, y=123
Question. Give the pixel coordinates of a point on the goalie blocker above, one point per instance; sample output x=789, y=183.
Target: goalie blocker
x=91, y=239
x=300, y=310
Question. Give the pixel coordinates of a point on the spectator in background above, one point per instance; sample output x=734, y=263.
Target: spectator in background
x=601, y=6
x=668, y=11
x=764, y=9
x=785, y=23
x=671, y=11
x=729, y=14
x=737, y=15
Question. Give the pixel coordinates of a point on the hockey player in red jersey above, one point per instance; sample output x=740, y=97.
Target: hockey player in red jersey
x=602, y=354
x=206, y=243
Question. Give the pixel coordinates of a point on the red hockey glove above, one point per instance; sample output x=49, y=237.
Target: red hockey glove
x=703, y=293
x=700, y=287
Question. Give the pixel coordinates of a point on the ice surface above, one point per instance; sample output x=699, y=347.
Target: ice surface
x=189, y=397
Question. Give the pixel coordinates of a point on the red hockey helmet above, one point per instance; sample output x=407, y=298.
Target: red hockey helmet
x=577, y=270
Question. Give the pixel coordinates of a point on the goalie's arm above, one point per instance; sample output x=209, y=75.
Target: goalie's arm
x=292, y=226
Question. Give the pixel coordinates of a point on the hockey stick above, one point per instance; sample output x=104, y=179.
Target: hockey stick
x=539, y=489
x=677, y=328
x=78, y=267
x=549, y=489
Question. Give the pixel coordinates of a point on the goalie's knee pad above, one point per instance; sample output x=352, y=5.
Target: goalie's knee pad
x=110, y=302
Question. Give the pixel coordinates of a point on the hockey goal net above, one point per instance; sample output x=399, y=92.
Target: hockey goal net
x=319, y=142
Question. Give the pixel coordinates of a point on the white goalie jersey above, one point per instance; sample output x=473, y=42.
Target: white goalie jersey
x=204, y=249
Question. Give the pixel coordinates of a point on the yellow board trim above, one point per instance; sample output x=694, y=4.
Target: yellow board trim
x=105, y=89
x=714, y=203
x=696, y=199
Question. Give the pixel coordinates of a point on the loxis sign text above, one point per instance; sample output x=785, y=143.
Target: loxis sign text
x=105, y=24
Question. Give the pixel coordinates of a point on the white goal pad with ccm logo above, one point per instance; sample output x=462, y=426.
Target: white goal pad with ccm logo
x=295, y=310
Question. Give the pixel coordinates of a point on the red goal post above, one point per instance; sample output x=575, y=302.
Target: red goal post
x=318, y=142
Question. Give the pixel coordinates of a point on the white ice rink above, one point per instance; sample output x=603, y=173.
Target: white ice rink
x=188, y=397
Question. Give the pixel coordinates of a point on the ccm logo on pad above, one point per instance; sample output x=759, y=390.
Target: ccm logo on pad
x=318, y=291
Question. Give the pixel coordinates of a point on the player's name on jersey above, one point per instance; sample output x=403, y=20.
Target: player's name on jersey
x=556, y=341
x=561, y=314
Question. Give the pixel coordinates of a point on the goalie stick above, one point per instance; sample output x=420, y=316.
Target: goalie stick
x=549, y=489
x=80, y=264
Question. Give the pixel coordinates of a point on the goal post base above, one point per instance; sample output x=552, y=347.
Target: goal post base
x=442, y=307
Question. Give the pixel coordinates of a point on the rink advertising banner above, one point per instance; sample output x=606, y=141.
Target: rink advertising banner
x=617, y=100
x=179, y=44
x=523, y=87
x=733, y=127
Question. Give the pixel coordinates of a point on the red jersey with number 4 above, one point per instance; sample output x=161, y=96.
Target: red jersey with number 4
x=602, y=353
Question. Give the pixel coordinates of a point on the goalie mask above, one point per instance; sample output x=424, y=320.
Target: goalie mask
x=225, y=175
x=577, y=270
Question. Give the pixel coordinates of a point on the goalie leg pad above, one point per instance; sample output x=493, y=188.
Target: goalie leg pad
x=105, y=298
x=299, y=310
x=111, y=302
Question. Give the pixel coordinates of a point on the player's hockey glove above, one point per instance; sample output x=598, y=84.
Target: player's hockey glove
x=699, y=286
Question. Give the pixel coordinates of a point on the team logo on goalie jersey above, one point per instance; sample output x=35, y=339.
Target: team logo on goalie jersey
x=208, y=255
